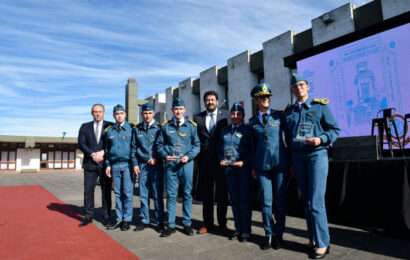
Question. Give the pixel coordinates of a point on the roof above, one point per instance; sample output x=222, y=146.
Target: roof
x=31, y=141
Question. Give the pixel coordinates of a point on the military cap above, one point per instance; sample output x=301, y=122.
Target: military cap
x=177, y=102
x=118, y=108
x=237, y=107
x=296, y=78
x=262, y=89
x=147, y=107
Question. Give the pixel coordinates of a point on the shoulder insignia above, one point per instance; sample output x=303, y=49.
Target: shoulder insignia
x=322, y=101
x=192, y=122
x=107, y=128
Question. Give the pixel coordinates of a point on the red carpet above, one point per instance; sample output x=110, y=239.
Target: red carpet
x=34, y=224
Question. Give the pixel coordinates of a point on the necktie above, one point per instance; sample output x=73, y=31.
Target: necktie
x=265, y=119
x=97, y=132
x=211, y=122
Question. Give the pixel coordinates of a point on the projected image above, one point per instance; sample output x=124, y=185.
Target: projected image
x=363, y=77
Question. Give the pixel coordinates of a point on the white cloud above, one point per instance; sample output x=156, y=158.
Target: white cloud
x=58, y=57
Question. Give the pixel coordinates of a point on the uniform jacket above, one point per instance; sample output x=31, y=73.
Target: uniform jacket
x=119, y=145
x=238, y=141
x=268, y=142
x=88, y=144
x=183, y=140
x=144, y=140
x=312, y=118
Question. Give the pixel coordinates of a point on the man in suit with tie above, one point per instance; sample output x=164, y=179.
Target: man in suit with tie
x=91, y=142
x=211, y=181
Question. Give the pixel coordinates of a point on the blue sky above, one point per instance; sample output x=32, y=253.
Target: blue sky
x=57, y=57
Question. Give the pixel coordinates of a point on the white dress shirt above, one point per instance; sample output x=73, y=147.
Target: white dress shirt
x=208, y=118
x=98, y=134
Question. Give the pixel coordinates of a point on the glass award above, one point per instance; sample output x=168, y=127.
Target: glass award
x=305, y=130
x=178, y=152
x=229, y=156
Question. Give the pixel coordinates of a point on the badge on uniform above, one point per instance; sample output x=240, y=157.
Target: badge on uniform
x=239, y=135
x=182, y=134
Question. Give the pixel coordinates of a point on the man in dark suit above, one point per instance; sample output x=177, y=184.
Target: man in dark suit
x=91, y=142
x=211, y=181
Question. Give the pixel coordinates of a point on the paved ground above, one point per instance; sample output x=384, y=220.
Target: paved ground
x=347, y=243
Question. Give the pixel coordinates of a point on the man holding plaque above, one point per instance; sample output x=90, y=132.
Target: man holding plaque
x=310, y=128
x=234, y=157
x=269, y=165
x=178, y=145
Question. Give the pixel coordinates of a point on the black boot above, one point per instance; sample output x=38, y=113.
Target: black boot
x=266, y=244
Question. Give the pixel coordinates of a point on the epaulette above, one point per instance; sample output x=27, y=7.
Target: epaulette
x=322, y=101
x=165, y=122
x=107, y=128
x=192, y=122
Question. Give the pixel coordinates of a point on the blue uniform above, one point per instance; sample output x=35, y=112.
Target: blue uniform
x=118, y=140
x=179, y=141
x=236, y=143
x=270, y=163
x=150, y=177
x=312, y=119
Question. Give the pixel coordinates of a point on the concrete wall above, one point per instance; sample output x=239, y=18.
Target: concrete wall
x=209, y=81
x=131, y=91
x=28, y=160
x=342, y=24
x=391, y=8
x=276, y=74
x=191, y=101
x=241, y=81
x=168, y=102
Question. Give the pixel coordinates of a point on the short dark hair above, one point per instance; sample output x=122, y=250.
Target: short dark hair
x=210, y=93
x=97, y=105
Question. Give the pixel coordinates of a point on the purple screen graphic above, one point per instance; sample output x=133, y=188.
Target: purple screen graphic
x=363, y=77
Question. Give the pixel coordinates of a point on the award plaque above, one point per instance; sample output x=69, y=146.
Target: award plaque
x=229, y=156
x=305, y=130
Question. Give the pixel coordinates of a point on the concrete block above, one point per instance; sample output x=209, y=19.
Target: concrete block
x=333, y=24
x=191, y=100
x=169, y=95
x=131, y=93
x=241, y=81
x=209, y=81
x=391, y=8
x=276, y=74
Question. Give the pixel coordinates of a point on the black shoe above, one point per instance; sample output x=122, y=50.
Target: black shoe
x=276, y=242
x=314, y=255
x=86, y=221
x=106, y=221
x=266, y=244
x=115, y=225
x=160, y=228
x=140, y=227
x=188, y=231
x=167, y=232
x=125, y=226
x=243, y=238
x=234, y=235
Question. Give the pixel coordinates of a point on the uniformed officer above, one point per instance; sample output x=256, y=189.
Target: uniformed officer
x=178, y=144
x=150, y=177
x=310, y=128
x=235, y=158
x=269, y=164
x=119, y=161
